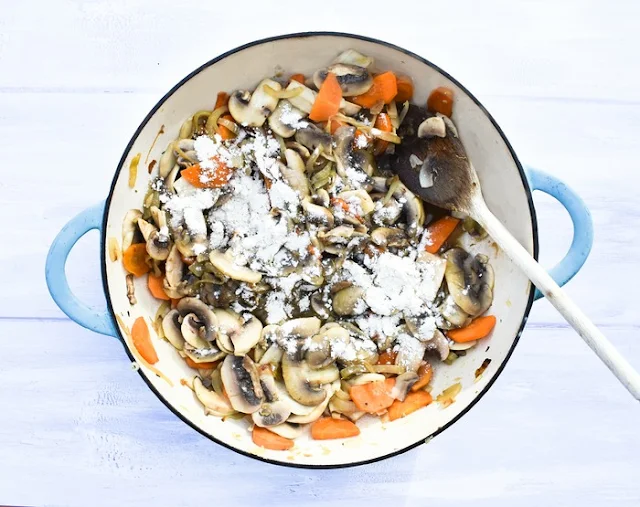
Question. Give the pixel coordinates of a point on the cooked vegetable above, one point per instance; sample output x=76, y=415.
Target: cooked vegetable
x=262, y=437
x=384, y=88
x=208, y=178
x=327, y=103
x=425, y=372
x=223, y=127
x=387, y=357
x=297, y=77
x=134, y=259
x=155, y=284
x=200, y=366
x=221, y=100
x=439, y=231
x=383, y=122
x=405, y=88
x=479, y=328
x=413, y=402
x=448, y=396
x=329, y=428
x=373, y=397
x=441, y=101
x=142, y=341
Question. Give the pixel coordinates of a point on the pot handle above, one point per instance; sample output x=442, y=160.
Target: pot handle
x=582, y=242
x=96, y=320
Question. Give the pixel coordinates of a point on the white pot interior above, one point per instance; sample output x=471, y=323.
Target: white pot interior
x=503, y=188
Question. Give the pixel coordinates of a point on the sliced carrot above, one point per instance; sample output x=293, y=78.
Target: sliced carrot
x=373, y=397
x=209, y=365
x=224, y=132
x=155, y=284
x=411, y=403
x=339, y=202
x=384, y=88
x=405, y=88
x=208, y=178
x=387, y=357
x=383, y=122
x=335, y=125
x=262, y=437
x=134, y=259
x=328, y=428
x=425, y=372
x=439, y=231
x=327, y=102
x=297, y=77
x=360, y=139
x=479, y=328
x=221, y=100
x=174, y=303
x=441, y=101
x=142, y=341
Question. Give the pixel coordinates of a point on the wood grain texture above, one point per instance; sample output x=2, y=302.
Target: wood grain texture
x=78, y=427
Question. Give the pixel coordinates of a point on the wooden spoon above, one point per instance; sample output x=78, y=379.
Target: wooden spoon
x=452, y=183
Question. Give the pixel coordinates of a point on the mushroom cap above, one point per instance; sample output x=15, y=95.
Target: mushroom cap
x=389, y=236
x=251, y=109
x=353, y=80
x=171, y=329
x=469, y=280
x=318, y=410
x=174, y=270
x=242, y=383
x=288, y=430
x=204, y=315
x=191, y=332
x=439, y=343
x=311, y=137
x=433, y=126
x=248, y=337
x=412, y=207
x=213, y=403
x=285, y=118
x=404, y=382
x=349, y=301
x=295, y=376
x=274, y=411
x=129, y=227
x=226, y=265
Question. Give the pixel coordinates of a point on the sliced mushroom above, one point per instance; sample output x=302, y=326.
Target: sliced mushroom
x=452, y=313
x=312, y=137
x=389, y=236
x=274, y=411
x=353, y=57
x=404, y=382
x=214, y=404
x=410, y=352
x=171, y=329
x=349, y=302
x=386, y=213
x=440, y=344
x=304, y=101
x=190, y=329
x=361, y=197
x=295, y=375
x=367, y=378
x=412, y=207
x=229, y=324
x=303, y=151
x=226, y=265
x=185, y=152
x=294, y=175
x=242, y=384
x=248, y=337
x=174, y=269
x=273, y=355
x=321, y=198
x=318, y=352
x=129, y=227
x=323, y=375
x=208, y=355
x=302, y=328
x=353, y=79
x=295, y=407
x=170, y=179
x=317, y=214
x=345, y=407
x=437, y=266
x=288, y=430
x=469, y=280
x=251, y=110
x=158, y=245
x=286, y=119
x=462, y=346
x=317, y=411
x=167, y=161
x=205, y=317
x=433, y=126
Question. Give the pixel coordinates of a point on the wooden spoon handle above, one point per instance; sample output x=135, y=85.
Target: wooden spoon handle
x=605, y=350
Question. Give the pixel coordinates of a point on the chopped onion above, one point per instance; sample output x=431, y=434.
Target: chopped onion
x=392, y=111
x=389, y=368
x=385, y=136
x=114, y=249
x=211, y=127
x=415, y=161
x=403, y=113
x=376, y=109
x=282, y=94
x=228, y=124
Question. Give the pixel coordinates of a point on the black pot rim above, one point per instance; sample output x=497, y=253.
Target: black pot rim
x=299, y=35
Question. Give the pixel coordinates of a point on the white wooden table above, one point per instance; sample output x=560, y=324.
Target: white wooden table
x=78, y=427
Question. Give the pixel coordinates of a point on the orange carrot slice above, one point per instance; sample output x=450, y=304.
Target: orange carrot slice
x=142, y=341
x=264, y=438
x=373, y=397
x=224, y=132
x=221, y=100
x=327, y=102
x=479, y=328
x=297, y=77
x=335, y=125
x=134, y=259
x=405, y=88
x=200, y=366
x=425, y=372
x=441, y=101
x=383, y=122
x=411, y=403
x=387, y=357
x=155, y=284
x=384, y=88
x=208, y=178
x=439, y=231
x=329, y=428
